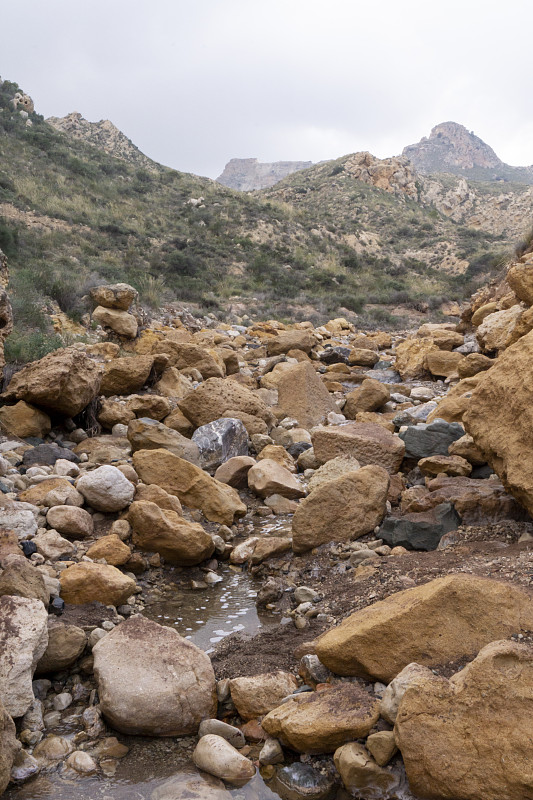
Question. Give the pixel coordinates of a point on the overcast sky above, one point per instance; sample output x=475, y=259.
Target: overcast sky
x=194, y=83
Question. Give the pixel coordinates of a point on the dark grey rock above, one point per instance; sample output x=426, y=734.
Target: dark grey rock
x=302, y=781
x=420, y=531
x=298, y=448
x=335, y=355
x=220, y=440
x=47, y=455
x=424, y=440
x=383, y=375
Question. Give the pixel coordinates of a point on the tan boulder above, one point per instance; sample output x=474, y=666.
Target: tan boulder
x=361, y=775
x=467, y=448
x=194, y=487
x=115, y=295
x=179, y=422
x=111, y=548
x=375, y=418
x=290, y=340
x=20, y=579
x=64, y=381
x=331, y=470
x=269, y=477
x=470, y=736
x=444, y=339
x=369, y=397
x=341, y=509
x=320, y=722
x=119, y=321
x=216, y=756
x=455, y=404
x=500, y=416
x=252, y=424
x=472, y=364
x=173, y=384
x=24, y=420
x=36, y=494
x=432, y=624
x=66, y=643
x=167, y=533
x=363, y=357
x=148, y=434
x=185, y=355
x=104, y=449
x=411, y=357
x=382, y=746
x=114, y=411
x=520, y=279
x=449, y=465
x=86, y=582
x=70, y=521
x=272, y=546
x=443, y=364
x=367, y=442
x=126, y=375
x=212, y=399
x=234, y=471
x=303, y=396
x=155, y=494
x=483, y=311
x=277, y=453
x=149, y=405
x=496, y=328
x=256, y=695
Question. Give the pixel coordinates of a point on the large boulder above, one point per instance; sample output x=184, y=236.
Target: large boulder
x=361, y=775
x=66, y=643
x=368, y=442
x=216, y=756
x=163, y=531
x=185, y=355
x=442, y=620
x=284, y=341
x=443, y=364
x=256, y=695
x=106, y=488
x=193, y=786
x=267, y=477
x=216, y=396
x=111, y=548
x=497, y=328
x=341, y=509
x=411, y=357
x=9, y=747
x=319, y=722
x=371, y=396
x=24, y=420
x=429, y=439
x=148, y=434
x=500, y=419
x=422, y=530
x=88, y=582
x=23, y=640
x=194, y=487
x=70, y=521
x=151, y=681
x=21, y=579
x=220, y=440
x=470, y=736
x=126, y=375
x=114, y=295
x=64, y=381
x=119, y=321
x=303, y=396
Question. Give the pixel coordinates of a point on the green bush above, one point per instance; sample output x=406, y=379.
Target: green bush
x=23, y=346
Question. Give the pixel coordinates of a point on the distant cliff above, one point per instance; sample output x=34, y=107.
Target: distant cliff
x=247, y=174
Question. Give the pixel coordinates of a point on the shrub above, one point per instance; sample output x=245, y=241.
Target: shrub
x=23, y=346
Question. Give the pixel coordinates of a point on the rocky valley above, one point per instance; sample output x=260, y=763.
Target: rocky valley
x=245, y=556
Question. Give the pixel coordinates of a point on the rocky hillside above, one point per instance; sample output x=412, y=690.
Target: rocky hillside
x=248, y=174
x=452, y=148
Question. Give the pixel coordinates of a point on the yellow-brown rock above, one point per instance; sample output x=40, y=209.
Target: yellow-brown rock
x=114, y=411
x=173, y=384
x=167, y=533
x=472, y=364
x=467, y=448
x=86, y=582
x=179, y=422
x=256, y=695
x=104, y=449
x=36, y=494
x=111, y=548
x=454, y=405
x=520, y=279
x=212, y=399
x=194, y=487
x=24, y=420
x=320, y=722
x=115, y=295
x=119, y=321
x=361, y=775
x=268, y=477
x=454, y=466
x=363, y=357
x=442, y=363
x=290, y=340
x=341, y=509
x=367, y=442
x=64, y=381
x=371, y=395
x=155, y=494
x=432, y=624
x=411, y=357
x=185, y=355
x=126, y=375
x=303, y=396
x=495, y=330
x=483, y=311
x=470, y=737
x=276, y=452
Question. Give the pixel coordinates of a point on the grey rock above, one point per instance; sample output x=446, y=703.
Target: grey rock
x=149, y=434
x=302, y=781
x=47, y=455
x=420, y=531
x=414, y=415
x=220, y=440
x=228, y=732
x=424, y=440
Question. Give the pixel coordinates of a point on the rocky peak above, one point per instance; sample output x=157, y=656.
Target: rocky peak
x=247, y=174
x=450, y=147
x=104, y=135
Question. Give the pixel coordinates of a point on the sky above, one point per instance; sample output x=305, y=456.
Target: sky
x=194, y=83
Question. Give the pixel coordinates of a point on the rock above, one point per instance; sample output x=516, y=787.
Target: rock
x=420, y=531
x=186, y=356
x=331, y=470
x=104, y=449
x=148, y=434
x=381, y=745
x=281, y=505
x=442, y=620
x=66, y=643
x=52, y=749
x=106, y=488
x=81, y=762
x=213, y=398
x=154, y=494
x=442, y=363
x=367, y=442
x=495, y=330
x=87, y=582
x=194, y=487
x=23, y=640
x=298, y=781
x=363, y=357
x=290, y=340
x=499, y=419
x=116, y=295
x=270, y=546
x=65, y=381
x=9, y=747
x=217, y=757
x=271, y=753
x=268, y=477
x=228, y=732
x=411, y=357
x=21, y=521
x=455, y=466
x=52, y=545
x=467, y=448
x=303, y=396
x=361, y=775
x=341, y=509
x=151, y=681
x=6, y=311
x=483, y=311
x=469, y=737
x=126, y=375
x=472, y=364
x=173, y=384
x=219, y=441
x=70, y=521
x=430, y=439
x=234, y=471
x=47, y=455
x=371, y=396
x=179, y=422
x=193, y=786
x=149, y=405
x=393, y=694
x=22, y=580
x=24, y=767
x=25, y=420
x=258, y=694
x=178, y=541
x=319, y=722
x=454, y=405
x=119, y=321
x=111, y=548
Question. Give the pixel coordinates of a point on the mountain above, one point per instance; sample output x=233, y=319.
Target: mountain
x=451, y=148
x=248, y=174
